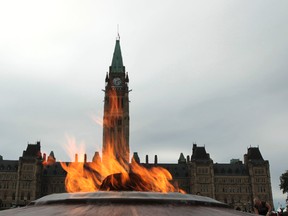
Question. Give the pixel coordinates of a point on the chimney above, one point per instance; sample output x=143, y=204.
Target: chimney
x=44, y=157
x=194, y=147
x=147, y=159
x=188, y=158
x=245, y=159
x=96, y=157
x=156, y=159
x=76, y=158
x=85, y=158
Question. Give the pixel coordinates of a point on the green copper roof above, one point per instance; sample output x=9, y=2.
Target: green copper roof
x=117, y=62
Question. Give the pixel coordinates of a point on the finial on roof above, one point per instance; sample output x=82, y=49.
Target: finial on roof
x=118, y=35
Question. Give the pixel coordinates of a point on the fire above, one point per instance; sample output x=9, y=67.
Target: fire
x=89, y=176
x=114, y=172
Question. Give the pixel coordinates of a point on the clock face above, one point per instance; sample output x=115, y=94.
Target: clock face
x=117, y=81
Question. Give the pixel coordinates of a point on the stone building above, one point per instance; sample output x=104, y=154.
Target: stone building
x=235, y=183
x=20, y=180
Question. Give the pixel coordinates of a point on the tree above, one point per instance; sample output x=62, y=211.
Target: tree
x=284, y=182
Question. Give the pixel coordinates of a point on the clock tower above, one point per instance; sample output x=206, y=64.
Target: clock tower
x=116, y=109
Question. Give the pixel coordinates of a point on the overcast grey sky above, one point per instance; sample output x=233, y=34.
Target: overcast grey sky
x=206, y=71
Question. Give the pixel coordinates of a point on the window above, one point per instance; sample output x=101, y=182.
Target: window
x=22, y=196
x=202, y=170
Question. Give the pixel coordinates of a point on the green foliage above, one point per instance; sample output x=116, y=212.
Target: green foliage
x=284, y=182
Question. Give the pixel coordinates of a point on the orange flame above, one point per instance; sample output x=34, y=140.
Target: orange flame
x=89, y=176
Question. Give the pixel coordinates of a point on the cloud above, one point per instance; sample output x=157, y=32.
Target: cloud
x=209, y=72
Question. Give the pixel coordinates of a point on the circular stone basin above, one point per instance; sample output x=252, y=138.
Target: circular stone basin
x=126, y=203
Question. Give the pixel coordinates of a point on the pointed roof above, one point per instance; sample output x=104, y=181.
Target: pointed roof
x=32, y=150
x=135, y=157
x=52, y=154
x=117, y=62
x=181, y=159
x=199, y=153
x=254, y=154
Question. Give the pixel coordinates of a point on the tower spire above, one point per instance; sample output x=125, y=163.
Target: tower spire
x=117, y=61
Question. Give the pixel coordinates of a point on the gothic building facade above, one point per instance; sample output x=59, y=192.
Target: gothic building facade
x=235, y=183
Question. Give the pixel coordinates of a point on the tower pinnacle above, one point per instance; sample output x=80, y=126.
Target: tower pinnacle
x=117, y=62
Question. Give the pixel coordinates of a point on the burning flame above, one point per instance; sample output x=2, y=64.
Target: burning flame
x=89, y=176
x=114, y=172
